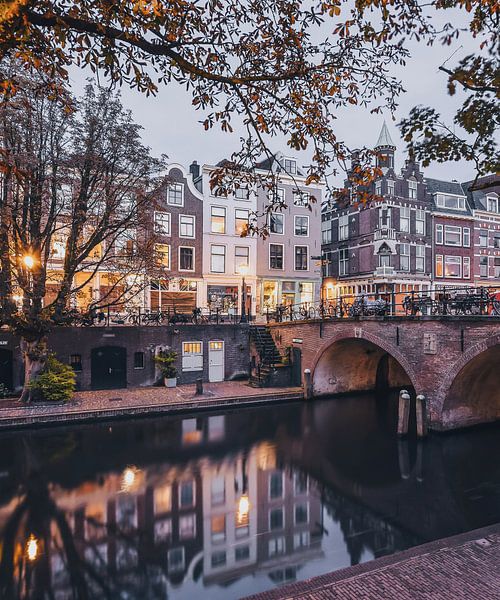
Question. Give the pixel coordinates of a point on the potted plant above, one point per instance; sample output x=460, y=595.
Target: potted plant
x=165, y=360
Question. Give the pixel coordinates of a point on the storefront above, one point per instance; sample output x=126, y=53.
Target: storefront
x=286, y=292
x=174, y=295
x=226, y=298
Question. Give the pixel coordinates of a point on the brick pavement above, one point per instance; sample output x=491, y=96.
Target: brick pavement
x=105, y=404
x=464, y=567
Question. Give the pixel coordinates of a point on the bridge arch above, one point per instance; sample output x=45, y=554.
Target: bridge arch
x=347, y=363
x=470, y=391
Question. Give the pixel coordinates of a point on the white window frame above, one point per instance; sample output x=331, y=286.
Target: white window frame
x=236, y=271
x=306, y=503
x=412, y=189
x=466, y=267
x=326, y=231
x=197, y=363
x=301, y=235
x=271, y=498
x=466, y=237
x=391, y=187
x=439, y=259
x=295, y=256
x=271, y=509
x=484, y=234
x=420, y=258
x=343, y=227
x=404, y=217
x=301, y=198
x=167, y=268
x=278, y=197
x=193, y=218
x=420, y=221
x=290, y=165
x=441, y=201
x=484, y=269
x=212, y=246
x=155, y=223
x=378, y=187
x=455, y=262
x=457, y=230
x=495, y=200
x=404, y=247
x=211, y=219
x=277, y=214
x=283, y=257
x=194, y=259
x=172, y=185
x=242, y=190
x=343, y=262
x=237, y=218
x=439, y=234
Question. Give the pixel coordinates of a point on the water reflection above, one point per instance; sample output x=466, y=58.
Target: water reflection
x=231, y=504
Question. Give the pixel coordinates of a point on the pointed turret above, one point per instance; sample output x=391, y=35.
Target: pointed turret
x=385, y=149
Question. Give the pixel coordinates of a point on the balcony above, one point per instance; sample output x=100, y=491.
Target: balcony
x=384, y=271
x=385, y=233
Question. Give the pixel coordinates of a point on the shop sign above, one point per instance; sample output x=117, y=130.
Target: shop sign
x=297, y=340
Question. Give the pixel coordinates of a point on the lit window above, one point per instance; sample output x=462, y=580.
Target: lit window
x=186, y=226
x=217, y=259
x=453, y=266
x=218, y=219
x=186, y=258
x=162, y=499
x=439, y=265
x=175, y=194
x=163, y=255
x=162, y=223
x=218, y=528
x=241, y=221
x=276, y=256
x=241, y=258
x=276, y=223
x=192, y=356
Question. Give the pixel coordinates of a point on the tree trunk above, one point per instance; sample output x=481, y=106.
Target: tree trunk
x=35, y=357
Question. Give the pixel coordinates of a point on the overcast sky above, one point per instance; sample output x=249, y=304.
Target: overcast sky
x=172, y=126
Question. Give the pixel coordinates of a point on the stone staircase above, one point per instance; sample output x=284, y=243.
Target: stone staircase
x=270, y=360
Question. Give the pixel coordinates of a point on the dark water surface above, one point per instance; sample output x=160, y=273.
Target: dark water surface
x=225, y=505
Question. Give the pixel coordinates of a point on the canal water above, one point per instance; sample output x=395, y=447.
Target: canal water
x=225, y=505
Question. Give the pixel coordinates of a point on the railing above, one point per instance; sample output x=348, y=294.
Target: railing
x=443, y=301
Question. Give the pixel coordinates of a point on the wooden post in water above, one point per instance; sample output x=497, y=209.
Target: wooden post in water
x=307, y=384
x=421, y=416
x=404, y=459
x=403, y=412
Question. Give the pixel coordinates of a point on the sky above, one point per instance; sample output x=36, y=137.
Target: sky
x=172, y=125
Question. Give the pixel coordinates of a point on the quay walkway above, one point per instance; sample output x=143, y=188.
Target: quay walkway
x=463, y=567
x=145, y=401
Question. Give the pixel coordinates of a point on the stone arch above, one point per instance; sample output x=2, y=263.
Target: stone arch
x=347, y=363
x=470, y=391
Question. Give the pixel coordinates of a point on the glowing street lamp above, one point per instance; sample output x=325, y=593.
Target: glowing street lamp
x=32, y=548
x=243, y=510
x=29, y=261
x=128, y=478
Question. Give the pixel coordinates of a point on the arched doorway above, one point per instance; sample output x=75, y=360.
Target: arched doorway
x=108, y=366
x=6, y=367
x=474, y=395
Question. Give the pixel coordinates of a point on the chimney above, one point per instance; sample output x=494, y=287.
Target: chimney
x=194, y=169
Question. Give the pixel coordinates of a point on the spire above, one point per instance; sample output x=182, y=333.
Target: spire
x=384, y=139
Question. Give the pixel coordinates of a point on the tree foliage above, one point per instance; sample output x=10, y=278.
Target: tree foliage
x=57, y=381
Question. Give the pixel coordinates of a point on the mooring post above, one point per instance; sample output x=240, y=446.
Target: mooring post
x=419, y=463
x=421, y=416
x=403, y=412
x=307, y=384
x=199, y=386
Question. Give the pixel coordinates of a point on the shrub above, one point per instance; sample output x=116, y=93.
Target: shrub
x=165, y=360
x=56, y=383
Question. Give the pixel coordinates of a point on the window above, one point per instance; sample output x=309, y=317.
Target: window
x=466, y=267
x=276, y=546
x=453, y=266
x=343, y=261
x=404, y=219
x=241, y=221
x=218, y=490
x=163, y=530
x=301, y=540
x=241, y=193
x=378, y=188
x=290, y=166
x=300, y=198
x=187, y=527
x=391, y=185
x=420, y=258
x=186, y=494
x=162, y=255
x=343, y=227
x=300, y=483
x=175, y=194
x=496, y=241
x=301, y=513
x=451, y=202
x=301, y=258
x=162, y=499
x=276, y=485
x=492, y=204
x=218, y=219
x=326, y=232
x=186, y=226
x=241, y=258
x=192, y=356
x=276, y=256
x=384, y=217
x=404, y=257
x=217, y=259
x=301, y=225
x=175, y=559
x=483, y=266
x=218, y=559
x=384, y=257
x=452, y=235
x=186, y=258
x=75, y=362
x=126, y=512
x=439, y=234
x=162, y=223
x=439, y=265
x=466, y=237
x=412, y=189
x=276, y=223
x=277, y=195
x=59, y=246
x=483, y=238
x=420, y=221
x=276, y=520
x=496, y=264
x=218, y=528
x=242, y=553
x=138, y=360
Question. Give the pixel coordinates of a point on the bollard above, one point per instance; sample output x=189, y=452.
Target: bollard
x=419, y=467
x=404, y=459
x=403, y=412
x=307, y=384
x=199, y=386
x=421, y=416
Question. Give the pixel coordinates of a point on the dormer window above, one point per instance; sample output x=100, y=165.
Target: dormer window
x=290, y=166
x=450, y=202
x=492, y=204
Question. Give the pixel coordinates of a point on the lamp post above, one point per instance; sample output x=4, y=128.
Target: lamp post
x=243, y=271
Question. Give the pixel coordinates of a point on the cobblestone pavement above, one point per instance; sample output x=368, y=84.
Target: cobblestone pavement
x=140, y=401
x=465, y=567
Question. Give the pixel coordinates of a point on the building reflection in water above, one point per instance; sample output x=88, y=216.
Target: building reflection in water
x=151, y=509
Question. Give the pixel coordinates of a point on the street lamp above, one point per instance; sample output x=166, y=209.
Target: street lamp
x=29, y=261
x=32, y=548
x=243, y=271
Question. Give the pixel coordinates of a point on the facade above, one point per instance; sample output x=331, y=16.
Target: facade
x=287, y=270
x=227, y=255
x=383, y=247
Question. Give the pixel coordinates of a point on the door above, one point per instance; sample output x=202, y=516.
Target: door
x=216, y=361
x=6, y=368
x=108, y=366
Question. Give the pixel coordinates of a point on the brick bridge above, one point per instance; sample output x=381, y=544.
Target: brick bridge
x=454, y=362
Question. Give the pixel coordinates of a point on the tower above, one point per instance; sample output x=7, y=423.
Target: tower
x=385, y=149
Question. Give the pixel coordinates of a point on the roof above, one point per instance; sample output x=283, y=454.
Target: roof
x=445, y=187
x=384, y=138
x=482, y=186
